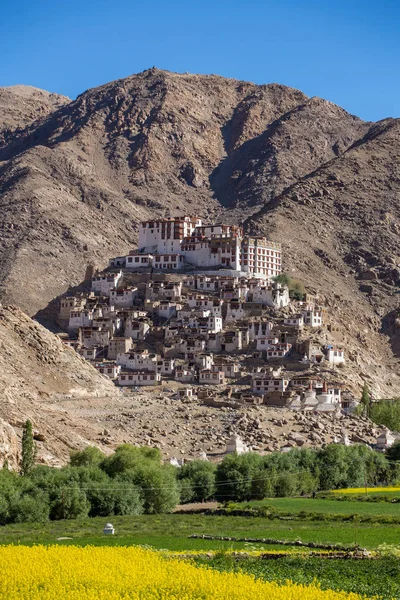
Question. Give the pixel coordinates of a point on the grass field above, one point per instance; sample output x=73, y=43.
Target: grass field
x=326, y=506
x=172, y=531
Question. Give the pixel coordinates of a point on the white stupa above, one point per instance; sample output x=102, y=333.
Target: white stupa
x=236, y=444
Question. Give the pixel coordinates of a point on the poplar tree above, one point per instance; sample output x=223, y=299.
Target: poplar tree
x=28, y=449
x=366, y=399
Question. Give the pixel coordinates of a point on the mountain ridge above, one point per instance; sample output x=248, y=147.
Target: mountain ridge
x=75, y=182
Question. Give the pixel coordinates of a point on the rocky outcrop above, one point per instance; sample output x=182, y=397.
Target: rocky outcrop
x=37, y=372
x=22, y=105
x=9, y=446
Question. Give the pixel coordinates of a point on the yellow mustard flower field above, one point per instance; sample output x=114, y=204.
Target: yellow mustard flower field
x=376, y=490
x=131, y=573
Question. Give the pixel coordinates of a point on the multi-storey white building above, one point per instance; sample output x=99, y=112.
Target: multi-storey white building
x=259, y=329
x=262, y=383
x=263, y=344
x=109, y=370
x=171, y=243
x=335, y=355
x=139, y=378
x=261, y=257
x=104, y=283
x=312, y=317
x=123, y=297
x=165, y=236
x=138, y=361
x=136, y=329
x=80, y=318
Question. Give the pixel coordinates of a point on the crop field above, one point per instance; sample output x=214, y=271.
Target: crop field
x=213, y=563
x=375, y=491
x=49, y=573
x=329, y=507
x=373, y=578
x=172, y=531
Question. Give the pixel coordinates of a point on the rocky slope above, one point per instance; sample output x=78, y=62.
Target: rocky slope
x=37, y=372
x=22, y=105
x=74, y=184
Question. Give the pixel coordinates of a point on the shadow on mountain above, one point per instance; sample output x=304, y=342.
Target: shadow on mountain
x=48, y=316
x=234, y=179
x=391, y=328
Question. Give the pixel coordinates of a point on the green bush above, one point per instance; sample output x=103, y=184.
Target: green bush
x=200, y=474
x=69, y=503
x=90, y=456
x=127, y=457
x=386, y=412
x=157, y=486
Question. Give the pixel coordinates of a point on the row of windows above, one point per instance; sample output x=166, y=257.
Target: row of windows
x=141, y=377
x=138, y=259
x=261, y=251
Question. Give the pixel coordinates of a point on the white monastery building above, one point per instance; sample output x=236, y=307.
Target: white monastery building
x=176, y=242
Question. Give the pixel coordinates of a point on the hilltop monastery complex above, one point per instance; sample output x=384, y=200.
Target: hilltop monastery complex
x=203, y=308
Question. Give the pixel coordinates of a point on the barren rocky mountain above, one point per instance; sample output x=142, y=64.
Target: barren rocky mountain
x=75, y=181
x=37, y=372
x=22, y=105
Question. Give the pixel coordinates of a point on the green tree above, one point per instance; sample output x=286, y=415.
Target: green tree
x=263, y=486
x=366, y=400
x=386, y=412
x=283, y=278
x=30, y=508
x=286, y=485
x=393, y=453
x=127, y=457
x=28, y=449
x=69, y=503
x=235, y=476
x=157, y=484
x=186, y=491
x=90, y=456
x=333, y=467
x=297, y=290
x=201, y=475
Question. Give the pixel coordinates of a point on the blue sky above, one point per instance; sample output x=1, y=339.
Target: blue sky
x=345, y=51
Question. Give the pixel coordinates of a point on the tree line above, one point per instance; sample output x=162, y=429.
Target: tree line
x=134, y=480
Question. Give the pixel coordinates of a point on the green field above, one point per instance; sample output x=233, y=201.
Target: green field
x=173, y=531
x=374, y=578
x=326, y=506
